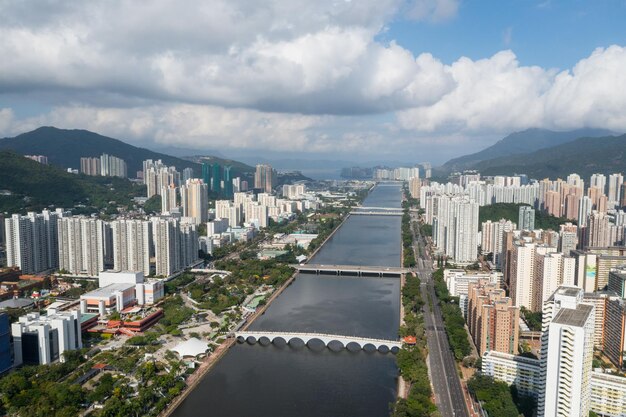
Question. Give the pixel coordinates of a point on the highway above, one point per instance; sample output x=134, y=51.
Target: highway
x=444, y=374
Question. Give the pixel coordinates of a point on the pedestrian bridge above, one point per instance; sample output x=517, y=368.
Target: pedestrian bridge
x=376, y=213
x=385, y=209
x=353, y=270
x=263, y=337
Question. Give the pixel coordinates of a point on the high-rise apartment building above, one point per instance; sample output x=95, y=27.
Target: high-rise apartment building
x=195, y=199
x=597, y=232
x=90, y=166
x=31, y=241
x=598, y=181
x=492, y=237
x=131, y=245
x=615, y=189
x=111, y=166
x=526, y=219
x=568, y=238
x=551, y=270
x=166, y=246
x=566, y=355
x=614, y=346
x=520, y=270
x=81, y=245
x=455, y=227
x=492, y=319
x=169, y=199
x=265, y=178
x=157, y=175
x=414, y=187
x=188, y=174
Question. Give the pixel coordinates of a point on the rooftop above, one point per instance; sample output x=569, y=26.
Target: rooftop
x=108, y=291
x=574, y=317
x=16, y=303
x=568, y=291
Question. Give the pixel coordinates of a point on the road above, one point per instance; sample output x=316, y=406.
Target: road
x=444, y=374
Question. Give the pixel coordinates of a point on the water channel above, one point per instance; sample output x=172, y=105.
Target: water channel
x=287, y=381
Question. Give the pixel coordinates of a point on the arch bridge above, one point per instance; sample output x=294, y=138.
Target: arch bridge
x=379, y=344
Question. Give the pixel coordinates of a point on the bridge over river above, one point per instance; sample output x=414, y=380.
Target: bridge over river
x=353, y=270
x=381, y=345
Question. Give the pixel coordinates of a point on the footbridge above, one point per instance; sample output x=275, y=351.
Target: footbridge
x=352, y=270
x=263, y=337
x=376, y=211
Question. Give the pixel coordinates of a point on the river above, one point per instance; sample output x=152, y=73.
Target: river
x=287, y=381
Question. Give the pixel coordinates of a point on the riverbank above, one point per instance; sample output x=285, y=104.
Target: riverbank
x=209, y=362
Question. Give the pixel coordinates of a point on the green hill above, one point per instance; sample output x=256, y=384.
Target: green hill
x=520, y=143
x=28, y=185
x=65, y=147
x=584, y=156
x=510, y=211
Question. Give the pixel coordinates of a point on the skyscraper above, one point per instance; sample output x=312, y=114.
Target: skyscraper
x=615, y=189
x=265, y=178
x=598, y=181
x=81, y=245
x=195, y=199
x=228, y=182
x=206, y=173
x=566, y=354
x=492, y=319
x=166, y=246
x=131, y=245
x=169, y=197
x=31, y=241
x=526, y=219
x=216, y=179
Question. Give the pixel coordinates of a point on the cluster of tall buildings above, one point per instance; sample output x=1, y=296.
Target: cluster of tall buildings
x=574, y=324
x=106, y=165
x=86, y=246
x=575, y=276
x=601, y=222
x=397, y=174
x=247, y=212
x=219, y=179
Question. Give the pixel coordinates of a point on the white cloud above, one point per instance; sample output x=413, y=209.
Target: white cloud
x=498, y=94
x=282, y=74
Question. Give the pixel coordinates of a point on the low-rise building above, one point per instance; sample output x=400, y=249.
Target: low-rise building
x=608, y=392
x=109, y=299
x=520, y=371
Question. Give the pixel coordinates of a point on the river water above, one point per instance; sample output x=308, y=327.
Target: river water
x=287, y=381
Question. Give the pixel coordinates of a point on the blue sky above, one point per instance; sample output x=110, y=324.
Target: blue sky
x=334, y=79
x=553, y=34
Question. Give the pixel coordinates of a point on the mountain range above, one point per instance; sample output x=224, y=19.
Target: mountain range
x=542, y=153
x=65, y=147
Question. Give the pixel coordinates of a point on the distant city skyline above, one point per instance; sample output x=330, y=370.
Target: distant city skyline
x=343, y=80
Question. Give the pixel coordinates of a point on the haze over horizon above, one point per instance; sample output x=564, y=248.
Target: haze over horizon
x=343, y=80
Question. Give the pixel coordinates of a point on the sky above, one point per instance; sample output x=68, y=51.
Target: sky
x=358, y=80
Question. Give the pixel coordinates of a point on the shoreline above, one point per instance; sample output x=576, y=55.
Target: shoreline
x=209, y=362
